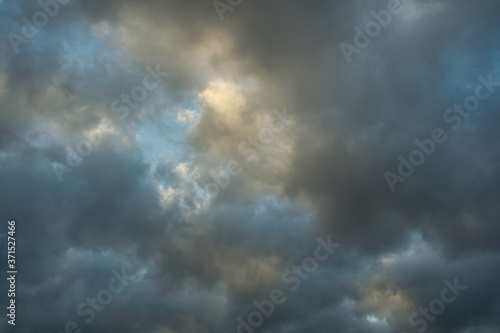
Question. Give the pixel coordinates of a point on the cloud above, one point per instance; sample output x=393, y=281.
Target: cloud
x=322, y=174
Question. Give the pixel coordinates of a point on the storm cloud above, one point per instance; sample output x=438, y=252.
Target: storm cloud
x=192, y=160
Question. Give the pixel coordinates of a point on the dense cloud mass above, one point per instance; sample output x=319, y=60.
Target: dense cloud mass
x=251, y=166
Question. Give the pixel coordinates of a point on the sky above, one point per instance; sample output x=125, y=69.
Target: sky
x=200, y=166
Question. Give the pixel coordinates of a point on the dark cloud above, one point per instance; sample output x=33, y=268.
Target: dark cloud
x=123, y=205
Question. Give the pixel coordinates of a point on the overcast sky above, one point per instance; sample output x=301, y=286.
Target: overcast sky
x=172, y=163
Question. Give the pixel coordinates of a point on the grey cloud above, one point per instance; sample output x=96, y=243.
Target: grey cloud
x=324, y=175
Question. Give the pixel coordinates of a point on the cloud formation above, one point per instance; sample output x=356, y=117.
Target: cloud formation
x=206, y=207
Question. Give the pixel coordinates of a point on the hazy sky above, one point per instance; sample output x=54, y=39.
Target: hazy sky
x=174, y=166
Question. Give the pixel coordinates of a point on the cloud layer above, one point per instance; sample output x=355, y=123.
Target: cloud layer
x=204, y=157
